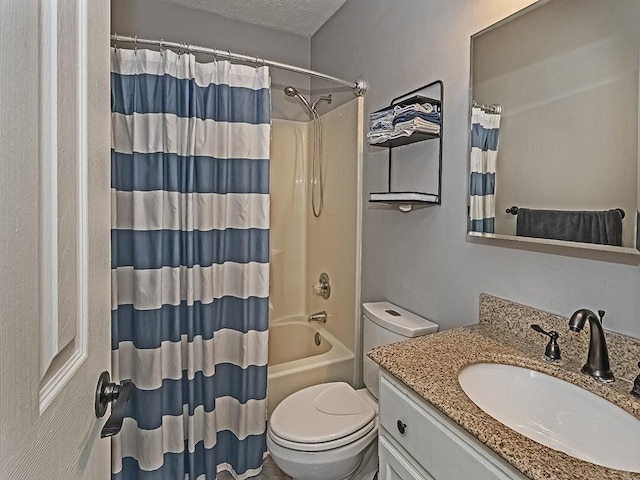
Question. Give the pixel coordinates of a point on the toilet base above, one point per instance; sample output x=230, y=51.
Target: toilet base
x=369, y=469
x=314, y=466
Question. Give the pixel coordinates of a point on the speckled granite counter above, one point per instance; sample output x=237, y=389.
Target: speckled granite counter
x=430, y=366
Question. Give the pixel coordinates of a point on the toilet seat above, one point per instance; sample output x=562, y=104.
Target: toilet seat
x=323, y=446
x=321, y=417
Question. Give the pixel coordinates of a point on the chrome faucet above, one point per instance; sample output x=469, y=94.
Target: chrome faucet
x=597, y=365
x=318, y=317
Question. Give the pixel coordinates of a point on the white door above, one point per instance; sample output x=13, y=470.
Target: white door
x=54, y=237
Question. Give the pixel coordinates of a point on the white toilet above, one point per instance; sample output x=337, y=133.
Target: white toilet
x=329, y=431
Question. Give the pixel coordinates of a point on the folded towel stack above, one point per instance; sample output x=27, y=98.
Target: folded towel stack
x=402, y=121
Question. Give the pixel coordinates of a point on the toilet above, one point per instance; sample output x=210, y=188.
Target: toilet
x=329, y=431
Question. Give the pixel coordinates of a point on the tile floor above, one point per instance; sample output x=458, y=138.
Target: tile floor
x=270, y=471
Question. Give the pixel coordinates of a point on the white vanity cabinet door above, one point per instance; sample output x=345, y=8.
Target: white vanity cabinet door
x=436, y=443
x=394, y=466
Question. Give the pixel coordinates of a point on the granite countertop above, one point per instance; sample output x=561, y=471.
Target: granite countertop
x=430, y=365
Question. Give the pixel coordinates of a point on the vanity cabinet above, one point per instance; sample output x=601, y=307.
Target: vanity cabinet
x=393, y=465
x=419, y=442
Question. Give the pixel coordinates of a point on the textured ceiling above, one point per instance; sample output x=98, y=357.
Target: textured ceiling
x=302, y=17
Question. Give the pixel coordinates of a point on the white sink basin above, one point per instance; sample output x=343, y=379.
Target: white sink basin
x=555, y=413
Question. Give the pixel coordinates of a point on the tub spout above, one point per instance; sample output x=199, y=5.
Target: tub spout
x=318, y=317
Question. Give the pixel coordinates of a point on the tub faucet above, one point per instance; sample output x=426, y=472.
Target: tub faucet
x=597, y=365
x=318, y=317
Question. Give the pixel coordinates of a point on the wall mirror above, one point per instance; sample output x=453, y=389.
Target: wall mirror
x=554, y=90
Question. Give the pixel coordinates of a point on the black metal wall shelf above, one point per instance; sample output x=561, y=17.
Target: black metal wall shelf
x=413, y=138
x=407, y=200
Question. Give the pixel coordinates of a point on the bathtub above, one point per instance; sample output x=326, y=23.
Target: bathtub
x=296, y=361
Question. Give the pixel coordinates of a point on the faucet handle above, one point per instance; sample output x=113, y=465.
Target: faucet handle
x=552, y=350
x=538, y=328
x=635, y=391
x=323, y=286
x=601, y=315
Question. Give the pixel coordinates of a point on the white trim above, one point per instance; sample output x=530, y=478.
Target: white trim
x=596, y=247
x=56, y=383
x=48, y=183
x=357, y=370
x=82, y=328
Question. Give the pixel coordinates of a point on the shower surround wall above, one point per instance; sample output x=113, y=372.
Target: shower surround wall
x=303, y=246
x=289, y=166
x=333, y=239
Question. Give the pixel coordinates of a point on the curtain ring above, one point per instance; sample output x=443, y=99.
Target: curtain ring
x=189, y=48
x=115, y=41
x=161, y=46
x=135, y=45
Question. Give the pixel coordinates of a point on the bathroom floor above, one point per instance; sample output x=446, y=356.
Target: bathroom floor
x=270, y=471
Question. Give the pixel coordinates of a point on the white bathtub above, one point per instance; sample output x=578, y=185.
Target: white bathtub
x=295, y=361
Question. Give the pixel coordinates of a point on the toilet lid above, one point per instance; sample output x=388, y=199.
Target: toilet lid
x=321, y=413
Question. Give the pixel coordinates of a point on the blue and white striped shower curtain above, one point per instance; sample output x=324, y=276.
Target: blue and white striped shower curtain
x=190, y=264
x=485, y=129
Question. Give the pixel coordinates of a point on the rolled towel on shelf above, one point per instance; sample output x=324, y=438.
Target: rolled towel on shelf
x=411, y=115
x=402, y=121
x=599, y=227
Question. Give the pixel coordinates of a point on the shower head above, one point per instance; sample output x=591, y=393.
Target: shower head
x=317, y=178
x=292, y=92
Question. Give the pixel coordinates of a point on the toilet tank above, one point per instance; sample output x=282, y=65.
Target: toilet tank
x=384, y=323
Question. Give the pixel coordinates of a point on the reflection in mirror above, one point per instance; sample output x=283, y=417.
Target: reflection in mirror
x=555, y=124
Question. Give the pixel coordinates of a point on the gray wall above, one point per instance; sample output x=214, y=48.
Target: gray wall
x=159, y=20
x=423, y=260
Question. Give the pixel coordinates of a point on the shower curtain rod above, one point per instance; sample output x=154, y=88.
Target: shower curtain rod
x=359, y=86
x=495, y=108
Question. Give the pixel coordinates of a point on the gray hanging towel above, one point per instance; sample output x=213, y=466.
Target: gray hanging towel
x=602, y=227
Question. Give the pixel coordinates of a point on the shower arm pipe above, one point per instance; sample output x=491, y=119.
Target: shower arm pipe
x=359, y=87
